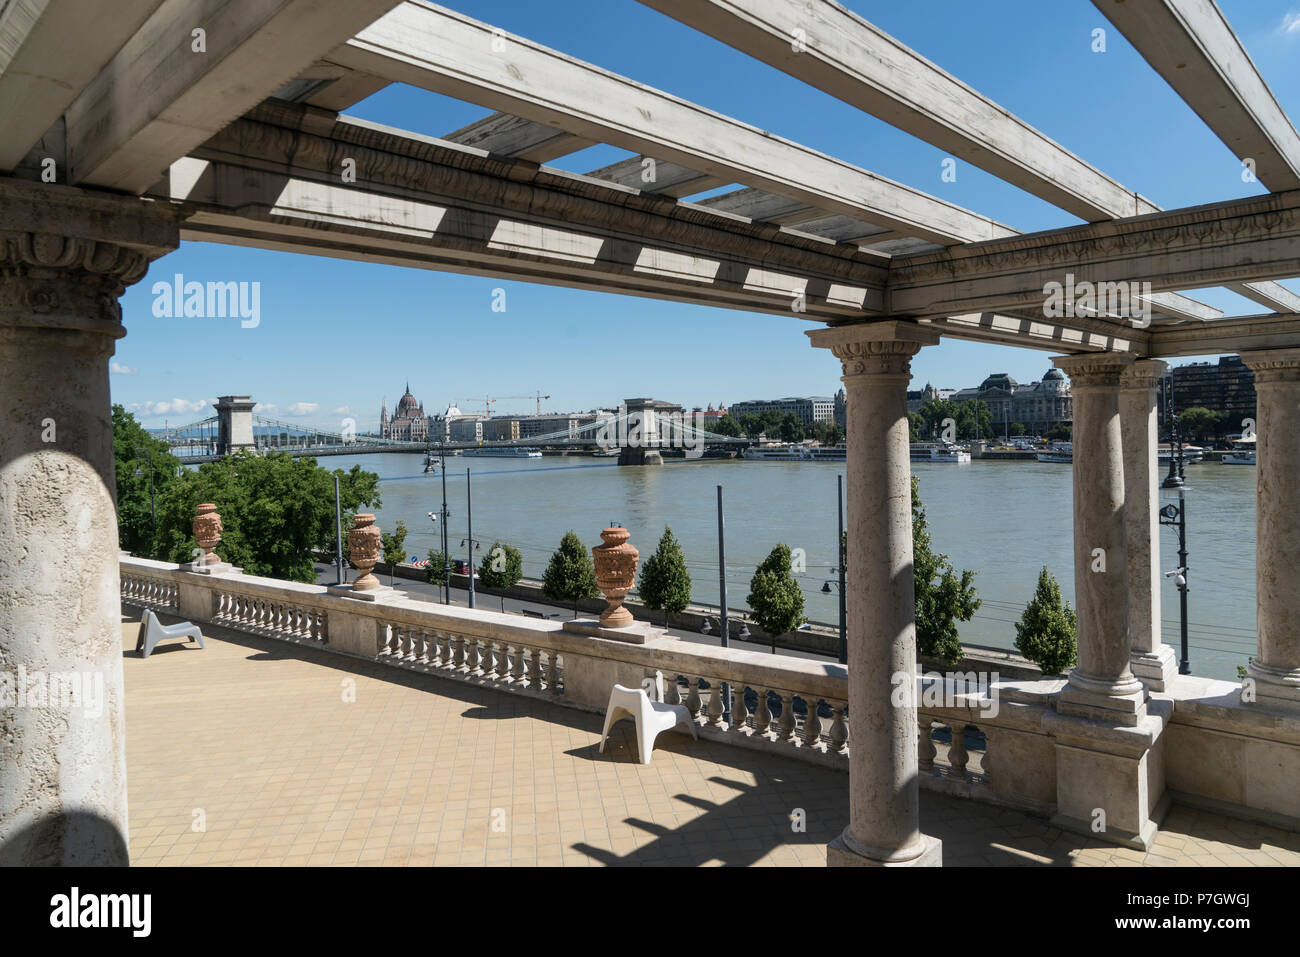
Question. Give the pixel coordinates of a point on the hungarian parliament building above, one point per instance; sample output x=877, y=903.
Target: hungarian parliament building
x=408, y=424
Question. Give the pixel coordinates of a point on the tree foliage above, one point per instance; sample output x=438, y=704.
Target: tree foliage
x=503, y=568
x=726, y=425
x=133, y=448
x=971, y=419
x=274, y=508
x=1047, y=632
x=828, y=433
x=435, y=573
x=942, y=597
x=570, y=576
x=1199, y=423
x=775, y=597
x=394, y=545
x=665, y=581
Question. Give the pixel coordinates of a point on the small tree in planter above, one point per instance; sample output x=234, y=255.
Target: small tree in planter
x=394, y=545
x=571, y=576
x=503, y=569
x=435, y=573
x=775, y=597
x=943, y=597
x=1047, y=633
x=665, y=582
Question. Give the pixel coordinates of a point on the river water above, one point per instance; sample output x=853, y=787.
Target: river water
x=1004, y=520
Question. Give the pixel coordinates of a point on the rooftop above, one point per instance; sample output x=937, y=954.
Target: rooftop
x=420, y=770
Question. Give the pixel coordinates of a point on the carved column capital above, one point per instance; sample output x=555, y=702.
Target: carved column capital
x=1273, y=365
x=1144, y=374
x=875, y=348
x=1094, y=370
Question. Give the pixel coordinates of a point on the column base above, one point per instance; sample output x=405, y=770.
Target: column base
x=1155, y=669
x=1275, y=688
x=1127, y=710
x=846, y=852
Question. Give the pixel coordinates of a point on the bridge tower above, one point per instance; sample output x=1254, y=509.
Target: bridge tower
x=640, y=442
x=234, y=423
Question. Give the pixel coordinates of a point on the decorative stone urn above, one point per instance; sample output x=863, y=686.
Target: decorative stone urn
x=207, y=532
x=363, y=549
x=615, y=574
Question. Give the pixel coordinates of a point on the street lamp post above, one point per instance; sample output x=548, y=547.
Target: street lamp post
x=1175, y=516
x=338, y=534
x=469, y=539
x=839, y=542
x=446, y=558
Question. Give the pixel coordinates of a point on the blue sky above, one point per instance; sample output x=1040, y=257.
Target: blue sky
x=336, y=336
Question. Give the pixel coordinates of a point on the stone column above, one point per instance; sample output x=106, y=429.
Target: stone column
x=1103, y=678
x=1276, y=668
x=1151, y=660
x=1110, y=781
x=884, y=786
x=65, y=257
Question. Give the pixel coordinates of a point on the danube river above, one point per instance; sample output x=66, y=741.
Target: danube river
x=1004, y=520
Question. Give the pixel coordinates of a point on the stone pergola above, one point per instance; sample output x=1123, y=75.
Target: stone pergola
x=120, y=139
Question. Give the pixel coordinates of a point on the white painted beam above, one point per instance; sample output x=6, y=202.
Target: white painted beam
x=1271, y=295
x=158, y=98
x=437, y=49
x=760, y=206
x=49, y=51
x=518, y=138
x=1191, y=45
x=657, y=176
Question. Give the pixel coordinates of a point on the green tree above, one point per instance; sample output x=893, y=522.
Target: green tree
x=828, y=433
x=570, y=576
x=726, y=425
x=435, y=573
x=974, y=420
x=1060, y=432
x=1047, y=632
x=132, y=449
x=275, y=510
x=1018, y=428
x=942, y=598
x=791, y=429
x=665, y=582
x=394, y=544
x=752, y=423
x=1199, y=422
x=774, y=596
x=914, y=425
x=502, y=570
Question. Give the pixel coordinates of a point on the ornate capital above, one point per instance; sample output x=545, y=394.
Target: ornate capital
x=1145, y=374
x=1273, y=365
x=1094, y=370
x=875, y=348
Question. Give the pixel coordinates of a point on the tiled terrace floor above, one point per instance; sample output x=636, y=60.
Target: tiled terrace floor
x=257, y=737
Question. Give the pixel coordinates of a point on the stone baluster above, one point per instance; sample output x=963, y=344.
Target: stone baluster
x=786, y=725
x=715, y=703
x=518, y=671
x=839, y=728
x=925, y=743
x=762, y=714
x=672, y=691
x=957, y=754
x=739, y=710
x=693, y=697
x=812, y=726
x=503, y=662
x=553, y=672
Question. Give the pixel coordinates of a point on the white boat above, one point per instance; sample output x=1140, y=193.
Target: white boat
x=518, y=452
x=775, y=453
x=1241, y=453
x=939, y=452
x=826, y=453
x=1060, y=453
x=1191, y=453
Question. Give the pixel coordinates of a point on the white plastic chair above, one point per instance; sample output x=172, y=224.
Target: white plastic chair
x=153, y=631
x=652, y=718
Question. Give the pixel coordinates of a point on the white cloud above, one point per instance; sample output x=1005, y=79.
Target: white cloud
x=343, y=410
x=172, y=406
x=116, y=368
x=303, y=408
x=1290, y=23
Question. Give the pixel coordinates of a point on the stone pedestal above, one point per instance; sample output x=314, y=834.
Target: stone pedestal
x=884, y=795
x=1275, y=672
x=378, y=593
x=65, y=258
x=637, y=633
x=1151, y=660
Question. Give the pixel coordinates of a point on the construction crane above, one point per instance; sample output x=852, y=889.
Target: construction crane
x=488, y=401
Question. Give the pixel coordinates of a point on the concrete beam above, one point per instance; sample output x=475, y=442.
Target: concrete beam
x=330, y=87
x=49, y=51
x=1271, y=295
x=158, y=97
x=1240, y=240
x=759, y=206
x=1225, y=336
x=437, y=49
x=271, y=180
x=1080, y=335
x=1190, y=44
x=518, y=138
x=658, y=176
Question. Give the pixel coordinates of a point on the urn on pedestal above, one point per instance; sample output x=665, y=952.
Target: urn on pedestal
x=363, y=550
x=207, y=532
x=615, y=574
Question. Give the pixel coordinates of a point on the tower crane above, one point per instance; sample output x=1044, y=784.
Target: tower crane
x=488, y=401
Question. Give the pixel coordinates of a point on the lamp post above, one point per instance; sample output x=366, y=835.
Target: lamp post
x=839, y=542
x=1175, y=516
x=469, y=539
x=446, y=559
x=338, y=534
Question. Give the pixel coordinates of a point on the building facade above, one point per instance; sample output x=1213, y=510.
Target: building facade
x=817, y=408
x=408, y=422
x=1036, y=405
x=1227, y=386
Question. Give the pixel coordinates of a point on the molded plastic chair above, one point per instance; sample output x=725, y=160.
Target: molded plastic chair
x=652, y=718
x=153, y=631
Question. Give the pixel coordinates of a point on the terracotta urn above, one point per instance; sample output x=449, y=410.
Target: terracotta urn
x=363, y=549
x=207, y=532
x=615, y=574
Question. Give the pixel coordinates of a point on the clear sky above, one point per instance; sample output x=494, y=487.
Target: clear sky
x=336, y=336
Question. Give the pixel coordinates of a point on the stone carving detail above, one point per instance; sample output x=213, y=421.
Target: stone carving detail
x=363, y=550
x=1144, y=374
x=1281, y=365
x=615, y=574
x=876, y=357
x=207, y=532
x=1094, y=370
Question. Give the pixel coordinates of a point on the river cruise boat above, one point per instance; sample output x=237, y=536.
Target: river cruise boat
x=826, y=453
x=520, y=452
x=1060, y=453
x=775, y=453
x=1242, y=452
x=939, y=452
x=1191, y=453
